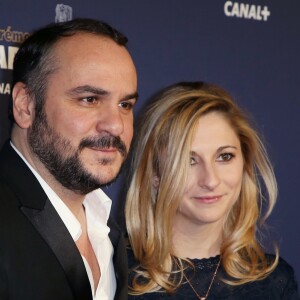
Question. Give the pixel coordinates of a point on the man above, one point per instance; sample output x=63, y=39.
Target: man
x=74, y=87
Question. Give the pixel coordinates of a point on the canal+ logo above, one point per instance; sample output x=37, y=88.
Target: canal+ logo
x=246, y=11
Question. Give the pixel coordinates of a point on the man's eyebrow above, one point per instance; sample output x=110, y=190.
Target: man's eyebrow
x=131, y=96
x=97, y=91
x=87, y=89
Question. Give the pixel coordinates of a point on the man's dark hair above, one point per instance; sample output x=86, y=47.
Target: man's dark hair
x=34, y=61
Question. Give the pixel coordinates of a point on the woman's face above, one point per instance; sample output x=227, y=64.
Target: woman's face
x=215, y=175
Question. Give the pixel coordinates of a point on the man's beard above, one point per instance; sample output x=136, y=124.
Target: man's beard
x=63, y=161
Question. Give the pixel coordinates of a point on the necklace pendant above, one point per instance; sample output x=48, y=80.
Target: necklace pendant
x=190, y=284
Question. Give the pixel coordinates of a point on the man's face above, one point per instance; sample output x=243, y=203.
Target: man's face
x=86, y=128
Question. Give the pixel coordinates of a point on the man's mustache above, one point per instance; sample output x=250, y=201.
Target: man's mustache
x=105, y=142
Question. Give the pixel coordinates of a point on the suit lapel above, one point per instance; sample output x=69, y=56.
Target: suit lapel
x=40, y=212
x=120, y=260
x=52, y=229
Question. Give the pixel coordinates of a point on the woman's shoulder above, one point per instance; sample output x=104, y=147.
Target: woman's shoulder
x=283, y=278
x=283, y=268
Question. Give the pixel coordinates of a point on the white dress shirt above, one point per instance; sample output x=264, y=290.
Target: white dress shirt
x=97, y=208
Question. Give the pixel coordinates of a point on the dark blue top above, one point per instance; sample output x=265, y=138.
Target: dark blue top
x=280, y=284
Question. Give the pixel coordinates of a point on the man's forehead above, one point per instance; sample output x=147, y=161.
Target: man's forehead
x=86, y=37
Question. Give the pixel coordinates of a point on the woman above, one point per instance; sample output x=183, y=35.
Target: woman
x=195, y=202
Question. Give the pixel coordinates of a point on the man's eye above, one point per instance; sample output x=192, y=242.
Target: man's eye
x=225, y=157
x=126, y=105
x=89, y=99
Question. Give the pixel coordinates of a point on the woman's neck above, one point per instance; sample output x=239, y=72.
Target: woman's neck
x=199, y=241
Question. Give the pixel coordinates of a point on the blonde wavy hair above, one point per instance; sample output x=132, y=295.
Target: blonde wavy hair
x=159, y=171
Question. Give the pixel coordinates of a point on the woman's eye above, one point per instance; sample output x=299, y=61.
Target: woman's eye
x=192, y=161
x=225, y=157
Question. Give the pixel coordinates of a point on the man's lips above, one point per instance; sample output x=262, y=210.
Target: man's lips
x=106, y=144
x=105, y=150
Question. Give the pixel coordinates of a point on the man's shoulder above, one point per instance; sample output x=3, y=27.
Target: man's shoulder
x=132, y=262
x=10, y=161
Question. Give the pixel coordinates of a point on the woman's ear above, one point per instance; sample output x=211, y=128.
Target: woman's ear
x=23, y=106
x=156, y=181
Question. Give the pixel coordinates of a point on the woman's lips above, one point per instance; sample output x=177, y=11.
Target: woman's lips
x=208, y=199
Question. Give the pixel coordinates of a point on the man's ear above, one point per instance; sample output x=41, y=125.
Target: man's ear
x=23, y=105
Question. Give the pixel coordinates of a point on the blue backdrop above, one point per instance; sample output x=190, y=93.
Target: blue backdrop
x=251, y=48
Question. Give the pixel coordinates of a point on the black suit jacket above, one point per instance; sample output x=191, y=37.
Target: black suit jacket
x=38, y=257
